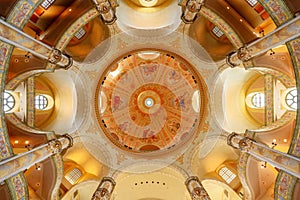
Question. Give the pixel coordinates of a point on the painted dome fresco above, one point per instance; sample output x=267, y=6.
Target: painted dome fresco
x=148, y=101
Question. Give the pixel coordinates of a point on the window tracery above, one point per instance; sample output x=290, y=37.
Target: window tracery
x=40, y=102
x=258, y=100
x=8, y=102
x=291, y=99
x=226, y=174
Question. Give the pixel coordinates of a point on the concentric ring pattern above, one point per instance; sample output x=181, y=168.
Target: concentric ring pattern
x=148, y=101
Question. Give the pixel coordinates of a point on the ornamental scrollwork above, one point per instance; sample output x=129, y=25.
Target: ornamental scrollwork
x=244, y=54
x=54, y=146
x=55, y=56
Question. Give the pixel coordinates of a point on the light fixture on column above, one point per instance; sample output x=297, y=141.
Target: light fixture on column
x=27, y=146
x=37, y=167
x=27, y=55
x=263, y=165
x=262, y=32
x=271, y=52
x=274, y=144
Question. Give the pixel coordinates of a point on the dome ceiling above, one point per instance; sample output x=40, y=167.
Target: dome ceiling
x=148, y=101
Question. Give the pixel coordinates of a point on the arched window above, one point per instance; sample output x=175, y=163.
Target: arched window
x=226, y=174
x=47, y=3
x=291, y=99
x=80, y=33
x=40, y=102
x=8, y=102
x=258, y=100
x=73, y=176
x=217, y=32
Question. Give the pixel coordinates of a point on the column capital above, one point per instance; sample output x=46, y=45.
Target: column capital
x=69, y=138
x=54, y=146
x=196, y=189
x=105, y=189
x=190, y=10
x=232, y=61
x=70, y=62
x=106, y=8
x=238, y=141
x=244, y=54
x=55, y=56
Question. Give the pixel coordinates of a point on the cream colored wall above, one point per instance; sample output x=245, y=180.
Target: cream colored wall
x=85, y=190
x=83, y=158
x=230, y=84
x=131, y=17
x=220, y=153
x=65, y=102
x=165, y=184
x=216, y=190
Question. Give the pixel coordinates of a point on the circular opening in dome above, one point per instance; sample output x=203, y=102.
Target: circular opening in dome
x=149, y=102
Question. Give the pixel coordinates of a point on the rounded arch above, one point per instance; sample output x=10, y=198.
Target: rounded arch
x=166, y=183
x=143, y=21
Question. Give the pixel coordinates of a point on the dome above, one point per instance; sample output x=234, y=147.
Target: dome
x=149, y=100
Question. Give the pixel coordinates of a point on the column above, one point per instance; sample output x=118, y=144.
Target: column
x=190, y=9
x=107, y=10
x=196, y=189
x=15, y=37
x=105, y=189
x=20, y=162
x=286, y=162
x=279, y=36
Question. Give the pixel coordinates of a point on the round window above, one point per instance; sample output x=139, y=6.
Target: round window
x=8, y=102
x=291, y=99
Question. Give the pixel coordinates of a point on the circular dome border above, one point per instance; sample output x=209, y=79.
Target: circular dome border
x=202, y=88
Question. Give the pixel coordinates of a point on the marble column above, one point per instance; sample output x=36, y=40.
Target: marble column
x=190, y=9
x=105, y=189
x=196, y=189
x=107, y=10
x=286, y=162
x=15, y=37
x=281, y=35
x=23, y=161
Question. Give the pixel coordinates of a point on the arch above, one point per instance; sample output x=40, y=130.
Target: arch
x=222, y=25
x=18, y=16
x=278, y=10
x=19, y=124
x=154, y=183
x=13, y=83
x=285, y=79
x=79, y=23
